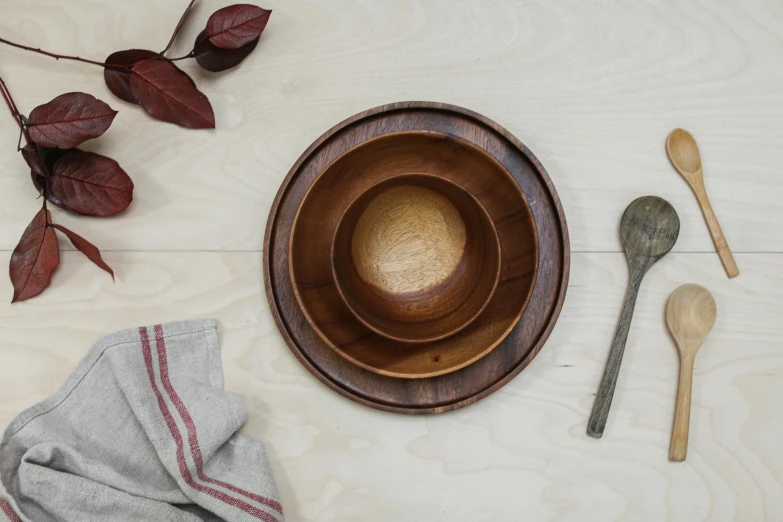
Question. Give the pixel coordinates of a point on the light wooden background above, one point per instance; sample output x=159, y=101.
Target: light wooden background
x=593, y=89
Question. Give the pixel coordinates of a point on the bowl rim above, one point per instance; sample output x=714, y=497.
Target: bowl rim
x=497, y=268
x=512, y=323
x=311, y=188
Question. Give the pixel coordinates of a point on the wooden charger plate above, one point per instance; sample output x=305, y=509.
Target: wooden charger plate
x=465, y=386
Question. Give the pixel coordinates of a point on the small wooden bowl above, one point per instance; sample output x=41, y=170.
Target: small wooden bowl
x=416, y=258
x=355, y=169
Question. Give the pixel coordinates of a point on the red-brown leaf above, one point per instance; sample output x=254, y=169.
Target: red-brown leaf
x=34, y=258
x=88, y=183
x=169, y=94
x=50, y=157
x=41, y=165
x=69, y=120
x=215, y=59
x=236, y=25
x=37, y=169
x=118, y=80
x=86, y=248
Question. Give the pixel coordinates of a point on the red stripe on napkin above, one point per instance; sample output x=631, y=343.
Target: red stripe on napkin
x=191, y=428
x=9, y=512
x=180, y=451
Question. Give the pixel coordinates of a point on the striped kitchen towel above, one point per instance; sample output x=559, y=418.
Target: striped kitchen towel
x=142, y=430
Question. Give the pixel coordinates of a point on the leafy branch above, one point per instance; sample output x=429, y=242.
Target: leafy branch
x=167, y=93
x=91, y=184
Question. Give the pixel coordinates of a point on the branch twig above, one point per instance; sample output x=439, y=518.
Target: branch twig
x=191, y=54
x=22, y=122
x=14, y=111
x=179, y=26
x=58, y=56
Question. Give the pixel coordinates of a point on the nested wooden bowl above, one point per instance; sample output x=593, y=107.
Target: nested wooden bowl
x=386, y=156
x=528, y=336
x=416, y=258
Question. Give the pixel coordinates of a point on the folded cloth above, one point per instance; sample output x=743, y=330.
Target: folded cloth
x=142, y=430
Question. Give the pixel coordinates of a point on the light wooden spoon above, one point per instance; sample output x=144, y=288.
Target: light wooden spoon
x=684, y=155
x=690, y=314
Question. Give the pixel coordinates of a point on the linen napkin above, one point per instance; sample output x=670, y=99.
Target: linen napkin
x=142, y=430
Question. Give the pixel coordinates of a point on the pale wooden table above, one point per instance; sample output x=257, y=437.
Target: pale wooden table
x=592, y=88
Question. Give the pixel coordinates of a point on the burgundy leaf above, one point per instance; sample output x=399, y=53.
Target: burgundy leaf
x=40, y=169
x=215, y=59
x=236, y=25
x=37, y=168
x=50, y=157
x=34, y=258
x=69, y=120
x=88, y=183
x=169, y=94
x=118, y=80
x=86, y=248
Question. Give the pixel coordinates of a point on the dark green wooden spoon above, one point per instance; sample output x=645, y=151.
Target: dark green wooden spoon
x=649, y=229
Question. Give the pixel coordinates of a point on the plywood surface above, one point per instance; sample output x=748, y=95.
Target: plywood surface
x=592, y=88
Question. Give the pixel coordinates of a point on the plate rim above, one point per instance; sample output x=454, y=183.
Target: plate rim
x=550, y=322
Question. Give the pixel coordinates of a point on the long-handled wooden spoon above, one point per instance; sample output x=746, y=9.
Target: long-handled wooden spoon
x=690, y=315
x=684, y=155
x=649, y=229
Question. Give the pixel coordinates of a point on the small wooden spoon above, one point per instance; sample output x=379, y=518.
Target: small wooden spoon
x=684, y=155
x=690, y=315
x=649, y=229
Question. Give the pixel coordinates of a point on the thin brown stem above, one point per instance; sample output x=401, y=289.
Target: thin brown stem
x=58, y=56
x=14, y=111
x=179, y=26
x=191, y=54
x=22, y=122
x=8, y=101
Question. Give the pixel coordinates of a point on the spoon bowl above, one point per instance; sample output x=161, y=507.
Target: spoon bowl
x=684, y=153
x=690, y=315
x=649, y=228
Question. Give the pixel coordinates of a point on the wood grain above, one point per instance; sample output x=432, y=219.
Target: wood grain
x=416, y=258
x=593, y=88
x=488, y=162
x=684, y=155
x=649, y=229
x=690, y=315
x=525, y=444
x=609, y=84
x=407, y=230
x=451, y=157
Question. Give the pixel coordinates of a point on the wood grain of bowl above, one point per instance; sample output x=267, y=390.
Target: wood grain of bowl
x=359, y=168
x=502, y=363
x=416, y=258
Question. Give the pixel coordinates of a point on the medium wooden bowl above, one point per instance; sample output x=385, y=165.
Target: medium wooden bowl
x=416, y=258
x=374, y=160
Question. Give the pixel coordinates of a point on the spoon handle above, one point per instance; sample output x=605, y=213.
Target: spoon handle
x=603, y=400
x=721, y=245
x=682, y=416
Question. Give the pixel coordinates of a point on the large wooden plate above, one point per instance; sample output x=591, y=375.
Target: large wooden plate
x=463, y=387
